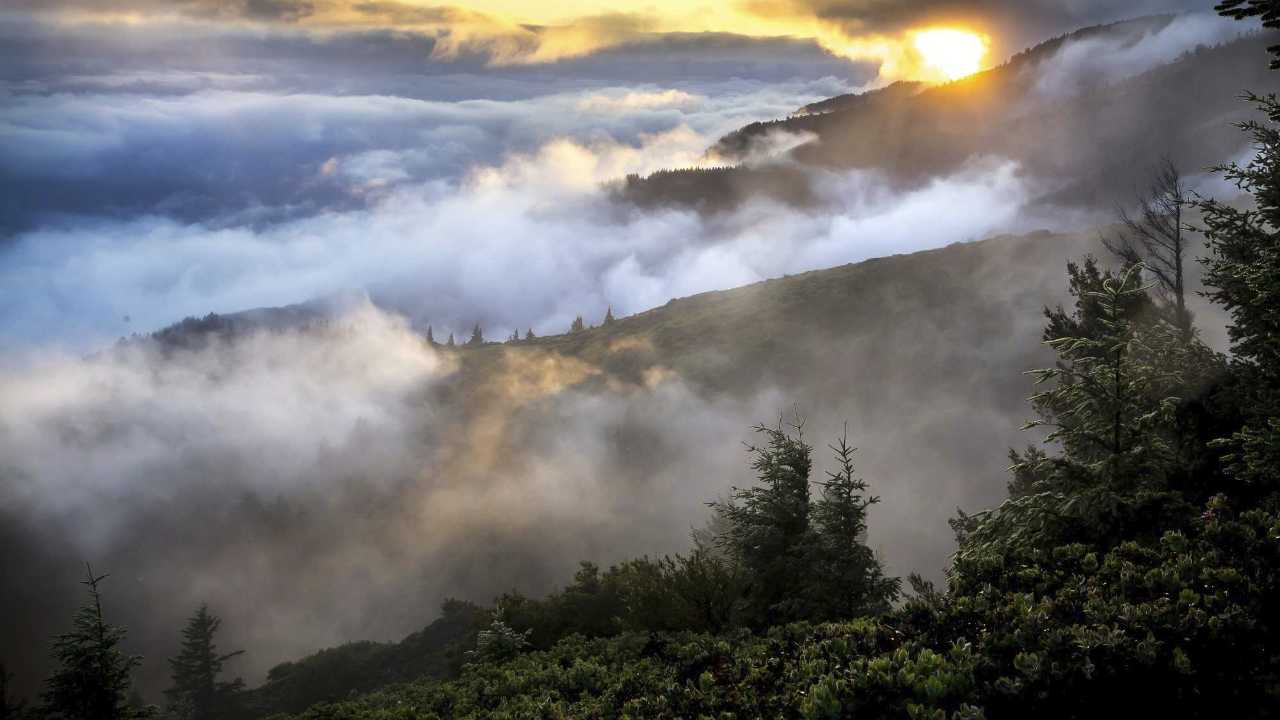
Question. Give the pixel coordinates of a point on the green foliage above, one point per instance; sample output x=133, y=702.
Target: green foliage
x=498, y=642
x=848, y=579
x=1115, y=402
x=767, y=527
x=578, y=325
x=93, y=677
x=196, y=692
x=1134, y=570
x=1243, y=270
x=802, y=559
x=436, y=651
x=1178, y=628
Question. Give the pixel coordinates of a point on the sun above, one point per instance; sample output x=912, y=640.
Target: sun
x=953, y=53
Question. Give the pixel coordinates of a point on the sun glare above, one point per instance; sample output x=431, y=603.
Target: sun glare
x=953, y=53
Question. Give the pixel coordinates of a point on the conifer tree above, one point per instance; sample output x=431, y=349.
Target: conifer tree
x=450, y=342
x=528, y=334
x=196, y=692
x=847, y=575
x=1242, y=272
x=515, y=336
x=1111, y=406
x=608, y=316
x=767, y=526
x=431, y=338
x=477, y=336
x=93, y=676
x=499, y=641
x=578, y=325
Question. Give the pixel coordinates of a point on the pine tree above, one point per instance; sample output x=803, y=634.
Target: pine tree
x=93, y=676
x=1100, y=407
x=1112, y=407
x=499, y=642
x=528, y=334
x=848, y=578
x=608, y=316
x=197, y=693
x=766, y=527
x=477, y=336
x=450, y=342
x=1242, y=272
x=431, y=338
x=515, y=336
x=577, y=326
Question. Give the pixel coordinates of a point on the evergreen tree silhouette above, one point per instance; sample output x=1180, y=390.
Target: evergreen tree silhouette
x=93, y=677
x=197, y=693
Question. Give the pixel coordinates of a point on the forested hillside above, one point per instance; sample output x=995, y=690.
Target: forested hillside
x=1132, y=569
x=1091, y=138
x=1030, y=476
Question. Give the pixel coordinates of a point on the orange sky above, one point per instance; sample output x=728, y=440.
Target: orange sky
x=524, y=31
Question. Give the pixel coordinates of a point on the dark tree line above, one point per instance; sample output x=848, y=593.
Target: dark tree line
x=93, y=675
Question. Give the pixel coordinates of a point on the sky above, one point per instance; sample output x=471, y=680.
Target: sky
x=441, y=165
x=166, y=159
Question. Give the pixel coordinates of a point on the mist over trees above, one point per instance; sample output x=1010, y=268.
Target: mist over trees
x=1133, y=569
x=1155, y=235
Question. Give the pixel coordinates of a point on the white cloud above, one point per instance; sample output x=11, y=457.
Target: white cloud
x=534, y=241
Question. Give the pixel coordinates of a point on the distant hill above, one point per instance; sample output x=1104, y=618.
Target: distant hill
x=924, y=354
x=1090, y=145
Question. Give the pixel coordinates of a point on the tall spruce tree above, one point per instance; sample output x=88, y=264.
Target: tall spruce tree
x=578, y=325
x=1242, y=272
x=477, y=336
x=196, y=692
x=766, y=526
x=93, y=677
x=1111, y=405
x=848, y=577
x=608, y=316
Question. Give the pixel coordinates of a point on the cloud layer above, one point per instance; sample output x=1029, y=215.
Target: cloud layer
x=321, y=483
x=515, y=33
